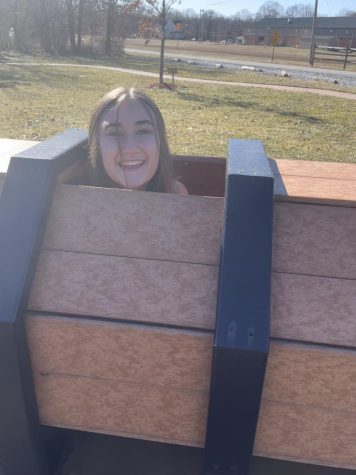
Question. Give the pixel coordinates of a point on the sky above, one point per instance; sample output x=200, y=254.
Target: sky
x=230, y=7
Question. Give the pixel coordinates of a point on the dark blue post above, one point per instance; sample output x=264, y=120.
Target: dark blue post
x=242, y=319
x=24, y=203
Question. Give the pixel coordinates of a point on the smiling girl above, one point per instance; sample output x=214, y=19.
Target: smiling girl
x=128, y=144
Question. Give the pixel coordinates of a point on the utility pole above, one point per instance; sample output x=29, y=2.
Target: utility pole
x=202, y=25
x=311, y=54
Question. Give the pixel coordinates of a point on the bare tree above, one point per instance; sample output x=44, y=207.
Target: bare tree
x=160, y=9
x=71, y=24
x=244, y=15
x=270, y=9
x=115, y=9
x=50, y=24
x=346, y=12
x=300, y=10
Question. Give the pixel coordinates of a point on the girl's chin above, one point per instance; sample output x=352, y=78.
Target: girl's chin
x=132, y=184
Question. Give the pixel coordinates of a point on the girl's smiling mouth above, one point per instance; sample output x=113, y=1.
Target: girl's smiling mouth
x=131, y=164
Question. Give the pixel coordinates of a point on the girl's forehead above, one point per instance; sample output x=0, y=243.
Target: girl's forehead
x=128, y=111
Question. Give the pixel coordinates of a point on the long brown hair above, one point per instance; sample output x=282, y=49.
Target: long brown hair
x=163, y=179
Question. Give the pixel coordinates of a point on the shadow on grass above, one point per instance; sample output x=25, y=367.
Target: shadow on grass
x=20, y=75
x=213, y=102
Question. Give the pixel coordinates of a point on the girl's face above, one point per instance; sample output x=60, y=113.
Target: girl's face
x=128, y=145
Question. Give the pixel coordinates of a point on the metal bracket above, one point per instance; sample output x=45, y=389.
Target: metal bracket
x=24, y=204
x=242, y=318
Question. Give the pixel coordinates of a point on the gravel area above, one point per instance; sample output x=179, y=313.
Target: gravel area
x=343, y=78
x=335, y=77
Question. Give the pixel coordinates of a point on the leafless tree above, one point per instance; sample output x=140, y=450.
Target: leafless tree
x=300, y=10
x=346, y=12
x=115, y=9
x=244, y=15
x=270, y=9
x=160, y=9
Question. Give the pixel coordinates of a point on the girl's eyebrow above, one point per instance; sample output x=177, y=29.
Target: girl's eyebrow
x=118, y=124
x=143, y=122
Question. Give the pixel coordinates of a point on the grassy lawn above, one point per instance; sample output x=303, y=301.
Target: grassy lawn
x=37, y=102
x=150, y=63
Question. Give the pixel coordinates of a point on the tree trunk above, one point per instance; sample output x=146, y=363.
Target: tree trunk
x=42, y=21
x=163, y=39
x=161, y=61
x=80, y=23
x=71, y=25
x=110, y=19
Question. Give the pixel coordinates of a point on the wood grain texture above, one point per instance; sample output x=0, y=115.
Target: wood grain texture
x=123, y=288
x=315, y=240
x=135, y=224
x=187, y=229
x=123, y=379
x=315, y=190
x=313, y=309
x=153, y=383
x=334, y=171
x=308, y=411
x=306, y=308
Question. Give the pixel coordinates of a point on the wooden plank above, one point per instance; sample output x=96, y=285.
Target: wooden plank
x=314, y=240
x=207, y=175
x=187, y=229
x=308, y=412
x=153, y=383
x=140, y=224
x=314, y=309
x=124, y=377
x=302, y=189
x=303, y=307
x=306, y=434
x=331, y=170
x=124, y=288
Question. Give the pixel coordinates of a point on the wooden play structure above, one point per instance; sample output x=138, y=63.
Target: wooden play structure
x=197, y=320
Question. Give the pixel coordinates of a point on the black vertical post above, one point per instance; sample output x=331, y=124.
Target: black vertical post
x=24, y=203
x=346, y=55
x=242, y=319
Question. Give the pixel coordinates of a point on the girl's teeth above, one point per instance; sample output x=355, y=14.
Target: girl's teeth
x=132, y=164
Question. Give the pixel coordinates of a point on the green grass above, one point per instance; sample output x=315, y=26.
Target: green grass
x=37, y=102
x=150, y=63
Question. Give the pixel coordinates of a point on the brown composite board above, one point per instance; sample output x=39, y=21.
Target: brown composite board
x=301, y=189
x=153, y=383
x=135, y=224
x=172, y=293
x=303, y=307
x=335, y=171
x=307, y=239
x=128, y=379
x=314, y=240
x=308, y=411
x=313, y=309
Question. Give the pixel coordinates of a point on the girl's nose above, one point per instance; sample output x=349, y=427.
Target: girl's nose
x=128, y=143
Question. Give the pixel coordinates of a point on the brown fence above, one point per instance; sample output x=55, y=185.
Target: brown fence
x=335, y=54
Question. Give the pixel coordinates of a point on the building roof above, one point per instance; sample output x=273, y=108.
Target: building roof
x=348, y=22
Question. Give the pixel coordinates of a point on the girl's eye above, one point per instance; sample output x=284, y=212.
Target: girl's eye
x=144, y=131
x=114, y=133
